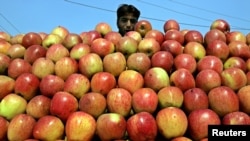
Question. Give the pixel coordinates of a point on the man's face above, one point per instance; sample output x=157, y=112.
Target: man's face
x=126, y=23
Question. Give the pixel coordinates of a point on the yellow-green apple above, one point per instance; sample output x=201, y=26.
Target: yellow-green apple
x=119, y=100
x=42, y=67
x=90, y=64
x=170, y=96
x=183, y=79
x=144, y=100
x=142, y=127
x=210, y=62
x=102, y=82
x=50, y=84
x=4, y=123
x=163, y=59
x=193, y=36
x=130, y=80
x=221, y=25
x=103, y=28
x=80, y=122
x=218, y=48
x=156, y=34
x=79, y=50
x=236, y=118
x=4, y=35
x=135, y=35
x=235, y=61
x=111, y=126
x=126, y=45
x=214, y=34
x=174, y=35
x=198, y=121
x=170, y=25
x=195, y=98
x=156, y=78
x=172, y=46
x=56, y=51
x=17, y=67
x=235, y=78
x=248, y=38
x=113, y=36
x=66, y=66
x=4, y=46
x=207, y=79
x=236, y=36
x=61, y=31
x=102, y=47
x=71, y=39
x=16, y=51
x=4, y=63
x=239, y=48
x=197, y=50
x=21, y=127
x=27, y=85
x=223, y=100
x=114, y=63
x=143, y=26
x=12, y=105
x=244, y=97
x=172, y=122
x=138, y=61
x=17, y=38
x=38, y=106
x=48, y=128
x=93, y=103
x=77, y=84
x=63, y=104
x=148, y=46
x=34, y=52
x=51, y=39
x=7, y=85
x=31, y=38
x=186, y=61
x=181, y=138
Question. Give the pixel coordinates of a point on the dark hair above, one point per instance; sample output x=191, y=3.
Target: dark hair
x=124, y=9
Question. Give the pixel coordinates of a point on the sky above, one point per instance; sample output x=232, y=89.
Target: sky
x=23, y=16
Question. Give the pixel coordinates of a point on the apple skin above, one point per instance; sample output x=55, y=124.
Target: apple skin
x=119, y=101
x=17, y=67
x=17, y=39
x=170, y=96
x=223, y=100
x=4, y=123
x=210, y=62
x=248, y=38
x=38, y=106
x=163, y=59
x=89, y=36
x=77, y=84
x=143, y=26
x=63, y=104
x=198, y=121
x=5, y=36
x=48, y=127
x=221, y=25
x=172, y=122
x=156, y=34
x=31, y=38
x=21, y=127
x=243, y=95
x=113, y=36
x=197, y=50
x=193, y=36
x=79, y=50
x=7, y=85
x=12, y=105
x=56, y=51
x=214, y=34
x=27, y=85
x=102, y=82
x=181, y=138
x=134, y=34
x=103, y=28
x=34, y=52
x=218, y=48
x=127, y=46
x=16, y=51
x=61, y=31
x=142, y=127
x=174, y=35
x=239, y=48
x=43, y=67
x=236, y=118
x=235, y=61
x=51, y=39
x=80, y=122
x=194, y=99
x=156, y=78
x=235, y=36
x=111, y=126
x=138, y=61
x=71, y=40
x=186, y=61
x=170, y=25
x=102, y=47
x=115, y=63
x=93, y=103
x=149, y=46
x=4, y=46
x=4, y=63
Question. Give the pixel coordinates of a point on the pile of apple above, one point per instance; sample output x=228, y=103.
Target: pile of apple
x=144, y=86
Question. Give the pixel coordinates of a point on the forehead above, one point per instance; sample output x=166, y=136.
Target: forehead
x=128, y=16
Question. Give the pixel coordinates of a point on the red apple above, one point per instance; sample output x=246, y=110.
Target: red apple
x=197, y=50
x=186, y=61
x=195, y=98
x=38, y=106
x=174, y=35
x=235, y=61
x=43, y=67
x=56, y=51
x=93, y=103
x=210, y=62
x=236, y=118
x=34, y=52
x=7, y=85
x=156, y=34
x=139, y=62
x=243, y=95
x=214, y=34
x=61, y=31
x=4, y=123
x=119, y=101
x=248, y=38
x=239, y=49
x=80, y=122
x=172, y=122
x=113, y=36
x=198, y=121
x=221, y=25
x=170, y=96
x=4, y=63
x=31, y=38
x=51, y=39
x=193, y=36
x=163, y=59
x=86, y=38
x=92, y=35
x=79, y=50
x=135, y=35
x=63, y=104
x=235, y=36
x=149, y=46
x=223, y=100
x=71, y=39
x=143, y=26
x=4, y=35
x=102, y=47
x=127, y=46
x=170, y=25
x=142, y=127
x=172, y=46
x=130, y=80
x=111, y=126
x=27, y=85
x=16, y=51
x=218, y=48
x=48, y=127
x=4, y=46
x=17, y=67
x=77, y=84
x=114, y=63
x=103, y=28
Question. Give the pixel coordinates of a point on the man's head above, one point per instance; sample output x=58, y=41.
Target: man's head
x=127, y=17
